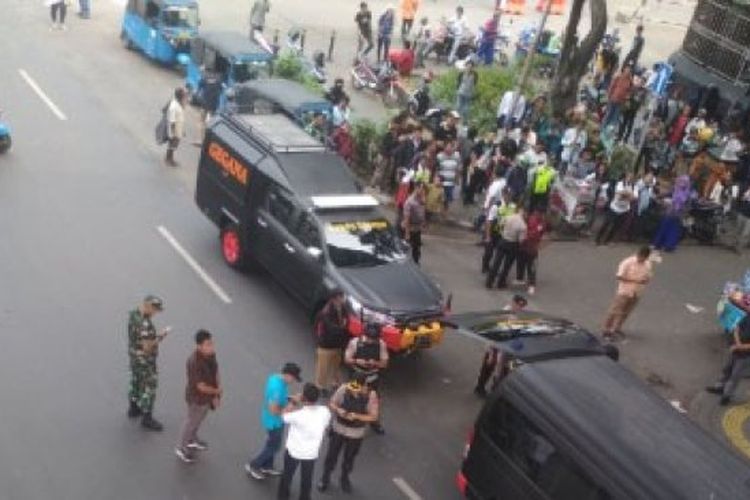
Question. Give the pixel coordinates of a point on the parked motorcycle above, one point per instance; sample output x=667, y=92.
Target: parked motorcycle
x=5, y=140
x=704, y=220
x=382, y=80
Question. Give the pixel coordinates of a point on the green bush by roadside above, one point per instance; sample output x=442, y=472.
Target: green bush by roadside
x=289, y=66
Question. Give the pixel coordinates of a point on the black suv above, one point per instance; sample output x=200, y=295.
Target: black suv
x=567, y=422
x=283, y=201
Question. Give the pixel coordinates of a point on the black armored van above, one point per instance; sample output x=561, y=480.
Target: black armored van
x=284, y=202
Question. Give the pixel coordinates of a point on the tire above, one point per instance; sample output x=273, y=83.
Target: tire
x=232, y=248
x=126, y=41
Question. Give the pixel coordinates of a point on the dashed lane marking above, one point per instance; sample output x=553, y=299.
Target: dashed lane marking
x=407, y=490
x=733, y=422
x=44, y=97
x=208, y=280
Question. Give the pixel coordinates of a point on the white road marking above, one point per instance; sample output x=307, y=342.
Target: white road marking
x=45, y=99
x=194, y=265
x=694, y=309
x=407, y=490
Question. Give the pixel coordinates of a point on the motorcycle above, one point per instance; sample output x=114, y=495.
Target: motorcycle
x=5, y=140
x=383, y=81
x=704, y=220
x=571, y=207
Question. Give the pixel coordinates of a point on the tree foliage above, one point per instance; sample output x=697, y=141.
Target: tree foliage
x=290, y=67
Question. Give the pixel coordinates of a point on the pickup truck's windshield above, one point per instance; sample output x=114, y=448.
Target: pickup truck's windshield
x=363, y=243
x=181, y=17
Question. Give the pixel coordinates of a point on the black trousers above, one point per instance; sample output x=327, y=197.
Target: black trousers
x=336, y=444
x=290, y=467
x=61, y=8
x=506, y=254
x=538, y=202
x=490, y=248
x=626, y=125
x=526, y=267
x=612, y=223
x=415, y=241
x=384, y=45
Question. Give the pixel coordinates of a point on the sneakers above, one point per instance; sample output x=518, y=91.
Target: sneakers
x=134, y=411
x=197, y=445
x=184, y=455
x=254, y=473
x=270, y=472
x=150, y=423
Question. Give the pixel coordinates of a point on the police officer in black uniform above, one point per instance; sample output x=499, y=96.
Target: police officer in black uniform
x=353, y=406
x=368, y=355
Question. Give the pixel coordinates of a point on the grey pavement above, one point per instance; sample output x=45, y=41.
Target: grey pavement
x=80, y=203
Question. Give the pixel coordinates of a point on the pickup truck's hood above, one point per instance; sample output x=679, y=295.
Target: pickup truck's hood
x=394, y=287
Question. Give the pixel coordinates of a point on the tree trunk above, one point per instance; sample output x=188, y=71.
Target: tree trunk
x=575, y=56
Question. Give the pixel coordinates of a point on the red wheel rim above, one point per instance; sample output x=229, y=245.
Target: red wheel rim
x=230, y=245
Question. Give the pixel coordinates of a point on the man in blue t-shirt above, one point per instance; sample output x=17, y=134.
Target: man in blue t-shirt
x=275, y=399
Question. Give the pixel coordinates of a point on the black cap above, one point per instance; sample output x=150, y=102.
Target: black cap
x=154, y=302
x=372, y=330
x=292, y=369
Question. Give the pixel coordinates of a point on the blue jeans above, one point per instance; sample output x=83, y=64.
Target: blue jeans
x=612, y=114
x=464, y=101
x=264, y=460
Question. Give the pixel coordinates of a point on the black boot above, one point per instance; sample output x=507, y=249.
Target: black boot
x=377, y=428
x=346, y=485
x=134, y=411
x=324, y=482
x=150, y=423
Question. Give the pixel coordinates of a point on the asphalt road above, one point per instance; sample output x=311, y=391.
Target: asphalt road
x=81, y=203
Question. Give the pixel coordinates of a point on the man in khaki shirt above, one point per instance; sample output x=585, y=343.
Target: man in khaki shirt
x=633, y=274
x=175, y=123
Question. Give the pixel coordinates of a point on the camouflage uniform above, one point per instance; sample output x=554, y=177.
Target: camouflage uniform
x=143, y=376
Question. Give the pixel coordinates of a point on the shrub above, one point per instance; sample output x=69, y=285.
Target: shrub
x=367, y=136
x=493, y=83
x=289, y=66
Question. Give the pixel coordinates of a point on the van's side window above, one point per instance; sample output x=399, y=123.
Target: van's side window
x=533, y=453
x=281, y=208
x=307, y=232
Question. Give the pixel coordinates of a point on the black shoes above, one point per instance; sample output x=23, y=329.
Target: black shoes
x=346, y=485
x=134, y=411
x=150, y=423
x=377, y=428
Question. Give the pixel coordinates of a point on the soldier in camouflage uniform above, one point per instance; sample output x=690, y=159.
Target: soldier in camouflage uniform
x=143, y=349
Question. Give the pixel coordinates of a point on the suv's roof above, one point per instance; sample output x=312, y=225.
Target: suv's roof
x=303, y=166
x=232, y=43
x=610, y=415
x=289, y=95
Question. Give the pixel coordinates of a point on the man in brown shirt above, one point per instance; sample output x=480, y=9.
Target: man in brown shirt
x=203, y=393
x=619, y=92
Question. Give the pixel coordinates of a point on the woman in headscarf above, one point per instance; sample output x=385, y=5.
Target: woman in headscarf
x=670, y=228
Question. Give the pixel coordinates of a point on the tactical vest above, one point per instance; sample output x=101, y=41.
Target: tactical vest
x=542, y=179
x=353, y=403
x=503, y=211
x=367, y=350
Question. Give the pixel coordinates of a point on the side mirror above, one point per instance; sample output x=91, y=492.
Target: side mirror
x=315, y=252
x=183, y=59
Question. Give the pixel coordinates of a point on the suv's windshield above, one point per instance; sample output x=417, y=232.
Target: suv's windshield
x=363, y=243
x=181, y=17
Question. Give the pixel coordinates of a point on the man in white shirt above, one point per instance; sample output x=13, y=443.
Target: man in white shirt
x=308, y=422
x=458, y=27
x=508, y=115
x=573, y=142
x=618, y=210
x=175, y=123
